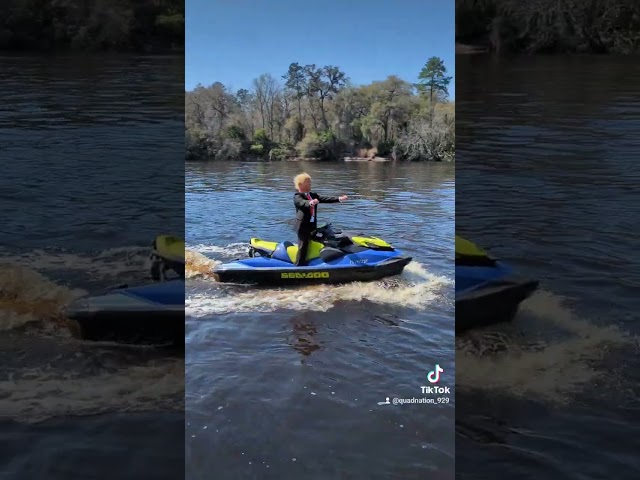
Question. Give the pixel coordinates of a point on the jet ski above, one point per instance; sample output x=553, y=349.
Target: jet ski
x=488, y=291
x=167, y=258
x=332, y=257
x=149, y=314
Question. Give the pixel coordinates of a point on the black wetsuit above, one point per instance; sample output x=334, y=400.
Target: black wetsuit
x=306, y=223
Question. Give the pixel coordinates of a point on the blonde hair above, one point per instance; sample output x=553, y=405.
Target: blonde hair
x=299, y=179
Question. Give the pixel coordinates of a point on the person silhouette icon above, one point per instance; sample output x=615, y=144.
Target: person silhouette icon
x=386, y=402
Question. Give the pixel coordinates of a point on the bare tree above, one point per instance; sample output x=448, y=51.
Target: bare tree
x=260, y=96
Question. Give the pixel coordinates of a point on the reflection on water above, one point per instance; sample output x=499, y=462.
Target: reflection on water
x=545, y=179
x=285, y=382
x=303, y=335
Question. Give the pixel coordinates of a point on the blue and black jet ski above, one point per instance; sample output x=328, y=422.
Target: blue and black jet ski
x=332, y=257
x=488, y=291
x=149, y=314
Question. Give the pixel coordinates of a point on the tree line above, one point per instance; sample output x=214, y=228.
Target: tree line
x=315, y=112
x=119, y=25
x=550, y=26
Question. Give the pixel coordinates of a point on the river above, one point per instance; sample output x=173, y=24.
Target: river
x=285, y=382
x=547, y=178
x=92, y=152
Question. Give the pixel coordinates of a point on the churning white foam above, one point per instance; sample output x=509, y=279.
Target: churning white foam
x=36, y=393
x=41, y=393
x=551, y=369
x=27, y=296
x=415, y=288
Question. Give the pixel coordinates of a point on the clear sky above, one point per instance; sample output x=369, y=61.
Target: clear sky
x=234, y=41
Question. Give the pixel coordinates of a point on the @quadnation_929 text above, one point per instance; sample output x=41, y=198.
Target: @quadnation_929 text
x=403, y=401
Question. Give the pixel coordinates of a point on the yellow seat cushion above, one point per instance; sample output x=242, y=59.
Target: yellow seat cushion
x=312, y=252
x=264, y=244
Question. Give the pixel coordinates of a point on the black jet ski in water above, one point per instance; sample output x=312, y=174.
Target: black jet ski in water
x=332, y=258
x=488, y=291
x=149, y=314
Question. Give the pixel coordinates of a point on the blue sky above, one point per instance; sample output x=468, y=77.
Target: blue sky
x=234, y=41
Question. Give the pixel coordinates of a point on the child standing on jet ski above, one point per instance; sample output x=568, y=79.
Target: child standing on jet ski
x=306, y=203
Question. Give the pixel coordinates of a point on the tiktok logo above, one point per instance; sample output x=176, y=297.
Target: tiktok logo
x=434, y=375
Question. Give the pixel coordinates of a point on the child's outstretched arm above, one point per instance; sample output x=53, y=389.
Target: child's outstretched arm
x=327, y=199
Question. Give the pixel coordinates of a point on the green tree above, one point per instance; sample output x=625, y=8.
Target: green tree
x=433, y=79
x=389, y=106
x=350, y=106
x=337, y=117
x=139, y=25
x=322, y=85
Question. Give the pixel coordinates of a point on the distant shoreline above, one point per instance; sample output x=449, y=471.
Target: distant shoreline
x=52, y=26
x=547, y=27
x=470, y=49
x=311, y=159
x=317, y=114
x=5, y=52
x=341, y=159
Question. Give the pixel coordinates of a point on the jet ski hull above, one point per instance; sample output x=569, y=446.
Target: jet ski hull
x=488, y=291
x=274, y=272
x=494, y=302
x=152, y=315
x=331, y=258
